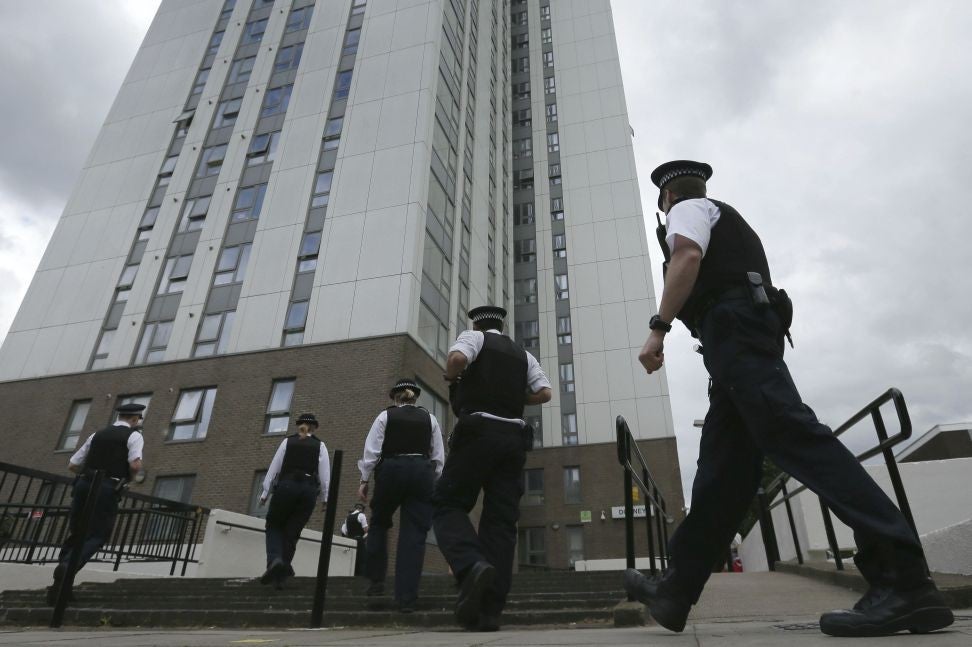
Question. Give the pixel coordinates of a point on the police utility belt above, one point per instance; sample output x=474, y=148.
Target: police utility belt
x=754, y=291
x=111, y=481
x=301, y=477
x=472, y=422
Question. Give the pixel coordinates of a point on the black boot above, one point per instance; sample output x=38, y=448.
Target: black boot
x=477, y=581
x=668, y=610
x=884, y=611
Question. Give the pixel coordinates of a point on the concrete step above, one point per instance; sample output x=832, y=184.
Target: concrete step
x=21, y=616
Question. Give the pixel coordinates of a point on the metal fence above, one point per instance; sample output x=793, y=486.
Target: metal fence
x=35, y=507
x=656, y=514
x=767, y=498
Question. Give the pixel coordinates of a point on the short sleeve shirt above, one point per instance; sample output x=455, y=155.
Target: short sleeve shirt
x=693, y=219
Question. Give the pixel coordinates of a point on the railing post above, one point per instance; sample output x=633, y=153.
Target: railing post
x=67, y=582
x=664, y=537
x=789, y=516
x=324, y=560
x=124, y=540
x=651, y=538
x=629, y=548
x=831, y=535
x=768, y=531
x=40, y=523
x=893, y=473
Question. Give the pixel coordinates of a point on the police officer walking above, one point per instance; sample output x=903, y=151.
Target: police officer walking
x=492, y=379
x=117, y=452
x=301, y=470
x=355, y=527
x=404, y=452
x=718, y=284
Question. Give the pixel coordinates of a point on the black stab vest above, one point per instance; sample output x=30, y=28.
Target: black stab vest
x=407, y=431
x=302, y=455
x=109, y=452
x=355, y=529
x=734, y=249
x=496, y=382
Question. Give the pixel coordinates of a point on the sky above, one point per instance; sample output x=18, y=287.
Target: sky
x=839, y=130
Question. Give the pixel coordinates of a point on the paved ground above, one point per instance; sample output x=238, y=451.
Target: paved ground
x=752, y=609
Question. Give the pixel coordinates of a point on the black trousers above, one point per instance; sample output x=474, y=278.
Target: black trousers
x=486, y=456
x=755, y=410
x=99, y=530
x=290, y=507
x=404, y=482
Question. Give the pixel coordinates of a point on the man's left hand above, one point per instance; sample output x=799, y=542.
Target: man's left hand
x=652, y=354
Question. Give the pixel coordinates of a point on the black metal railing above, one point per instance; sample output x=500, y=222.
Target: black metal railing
x=776, y=493
x=656, y=512
x=35, y=507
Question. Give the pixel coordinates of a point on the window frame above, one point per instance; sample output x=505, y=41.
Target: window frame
x=276, y=415
x=69, y=430
x=200, y=420
x=573, y=493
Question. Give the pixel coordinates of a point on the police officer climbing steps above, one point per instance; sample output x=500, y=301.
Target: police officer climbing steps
x=404, y=454
x=355, y=527
x=491, y=380
x=117, y=452
x=718, y=284
x=298, y=475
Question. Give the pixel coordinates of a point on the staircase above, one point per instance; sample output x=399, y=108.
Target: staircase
x=553, y=599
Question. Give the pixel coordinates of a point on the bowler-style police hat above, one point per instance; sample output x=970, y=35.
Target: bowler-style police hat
x=483, y=313
x=678, y=168
x=130, y=409
x=307, y=418
x=403, y=384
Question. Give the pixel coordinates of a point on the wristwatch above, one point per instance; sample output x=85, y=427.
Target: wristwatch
x=655, y=323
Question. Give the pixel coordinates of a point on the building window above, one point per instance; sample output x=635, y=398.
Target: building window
x=276, y=100
x=551, y=113
x=567, y=377
x=299, y=19
x=521, y=90
x=227, y=9
x=351, y=39
x=560, y=249
x=142, y=398
x=523, y=179
x=555, y=178
x=310, y=247
x=322, y=189
x=563, y=330
x=253, y=32
x=241, y=70
x=568, y=430
x=523, y=214
x=74, y=424
x=545, y=12
x=546, y=36
x=333, y=127
x=533, y=487
x=358, y=7
x=537, y=423
x=214, y=42
x=549, y=85
x=532, y=549
x=231, y=267
x=174, y=488
x=175, y=274
x=560, y=287
x=521, y=64
x=527, y=333
x=192, y=414
x=278, y=408
x=212, y=160
x=525, y=250
x=553, y=142
x=165, y=173
x=434, y=405
x=522, y=148
x=155, y=339
x=342, y=85
x=575, y=544
x=548, y=60
x=227, y=112
x=572, y=483
x=522, y=118
x=101, y=352
x=214, y=332
x=249, y=202
x=194, y=214
x=288, y=58
x=525, y=291
x=256, y=491
x=200, y=83
x=294, y=326
x=263, y=148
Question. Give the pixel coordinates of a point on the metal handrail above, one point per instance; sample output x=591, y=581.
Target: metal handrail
x=655, y=506
x=884, y=445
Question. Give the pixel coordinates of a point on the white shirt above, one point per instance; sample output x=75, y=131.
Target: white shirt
x=362, y=519
x=470, y=343
x=693, y=219
x=323, y=470
x=376, y=437
x=135, y=445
